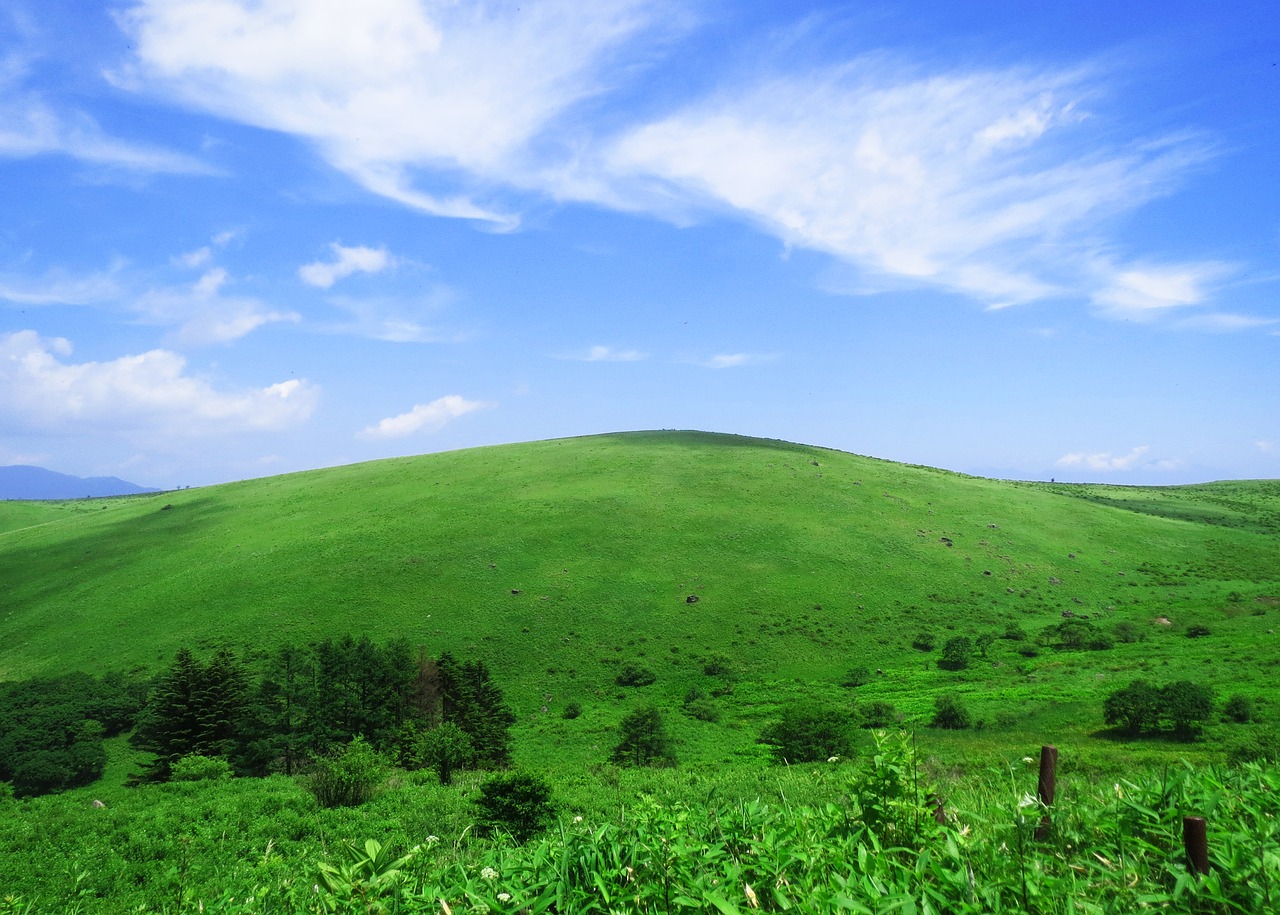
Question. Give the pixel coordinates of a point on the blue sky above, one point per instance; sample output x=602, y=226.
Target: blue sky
x=1013, y=239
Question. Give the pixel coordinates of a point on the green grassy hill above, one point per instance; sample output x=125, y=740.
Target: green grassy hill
x=559, y=562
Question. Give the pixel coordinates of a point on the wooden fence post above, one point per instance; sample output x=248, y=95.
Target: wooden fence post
x=1046, y=787
x=1195, y=838
x=939, y=809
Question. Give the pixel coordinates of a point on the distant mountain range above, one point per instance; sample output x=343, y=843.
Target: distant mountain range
x=21, y=481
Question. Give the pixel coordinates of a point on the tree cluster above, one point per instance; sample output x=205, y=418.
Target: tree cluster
x=51, y=729
x=1181, y=708
x=306, y=701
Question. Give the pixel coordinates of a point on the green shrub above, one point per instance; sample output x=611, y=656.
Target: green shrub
x=857, y=676
x=957, y=653
x=517, y=803
x=924, y=641
x=571, y=711
x=1198, y=631
x=633, y=675
x=949, y=713
x=1239, y=709
x=643, y=740
x=445, y=749
x=197, y=768
x=348, y=777
x=809, y=732
x=878, y=714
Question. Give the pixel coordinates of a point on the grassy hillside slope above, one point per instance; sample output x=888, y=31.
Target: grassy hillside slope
x=558, y=562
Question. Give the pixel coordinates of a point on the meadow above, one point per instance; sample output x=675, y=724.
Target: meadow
x=749, y=574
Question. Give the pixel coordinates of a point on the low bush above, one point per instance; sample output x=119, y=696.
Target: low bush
x=516, y=803
x=348, y=777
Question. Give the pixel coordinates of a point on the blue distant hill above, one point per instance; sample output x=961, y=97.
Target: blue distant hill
x=20, y=481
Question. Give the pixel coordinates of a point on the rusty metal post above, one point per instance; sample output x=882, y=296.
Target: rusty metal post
x=1046, y=787
x=1195, y=838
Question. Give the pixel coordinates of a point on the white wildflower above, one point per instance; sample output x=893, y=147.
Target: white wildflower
x=488, y=873
x=1028, y=760
x=833, y=759
x=1028, y=800
x=577, y=819
x=504, y=897
x=751, y=896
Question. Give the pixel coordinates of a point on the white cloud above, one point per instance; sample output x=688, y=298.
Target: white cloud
x=30, y=126
x=428, y=416
x=60, y=288
x=735, y=360
x=347, y=261
x=609, y=354
x=969, y=181
x=150, y=392
x=1267, y=447
x=386, y=86
x=1141, y=292
x=203, y=256
x=1108, y=462
x=1224, y=323
x=204, y=315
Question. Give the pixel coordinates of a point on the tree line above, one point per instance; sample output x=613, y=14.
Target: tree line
x=297, y=704
x=307, y=700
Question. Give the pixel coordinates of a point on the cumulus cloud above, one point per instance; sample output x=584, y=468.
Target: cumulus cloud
x=40, y=390
x=346, y=261
x=1107, y=462
x=427, y=416
x=386, y=86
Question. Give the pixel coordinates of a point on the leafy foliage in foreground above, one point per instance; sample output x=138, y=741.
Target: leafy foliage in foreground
x=866, y=842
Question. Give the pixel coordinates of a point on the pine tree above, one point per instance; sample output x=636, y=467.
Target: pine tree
x=170, y=725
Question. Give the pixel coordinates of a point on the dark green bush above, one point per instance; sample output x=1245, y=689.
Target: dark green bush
x=516, y=803
x=949, y=713
x=857, y=676
x=197, y=768
x=809, y=732
x=1239, y=709
x=571, y=711
x=633, y=675
x=957, y=653
x=878, y=714
x=643, y=740
x=348, y=777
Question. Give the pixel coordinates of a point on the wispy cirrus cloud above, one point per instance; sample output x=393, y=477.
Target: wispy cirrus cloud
x=1143, y=292
x=204, y=314
x=972, y=181
x=600, y=353
x=993, y=183
x=58, y=287
x=735, y=360
x=430, y=417
x=387, y=87
x=151, y=392
x=346, y=261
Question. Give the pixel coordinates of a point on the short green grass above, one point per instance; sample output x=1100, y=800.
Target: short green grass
x=558, y=562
